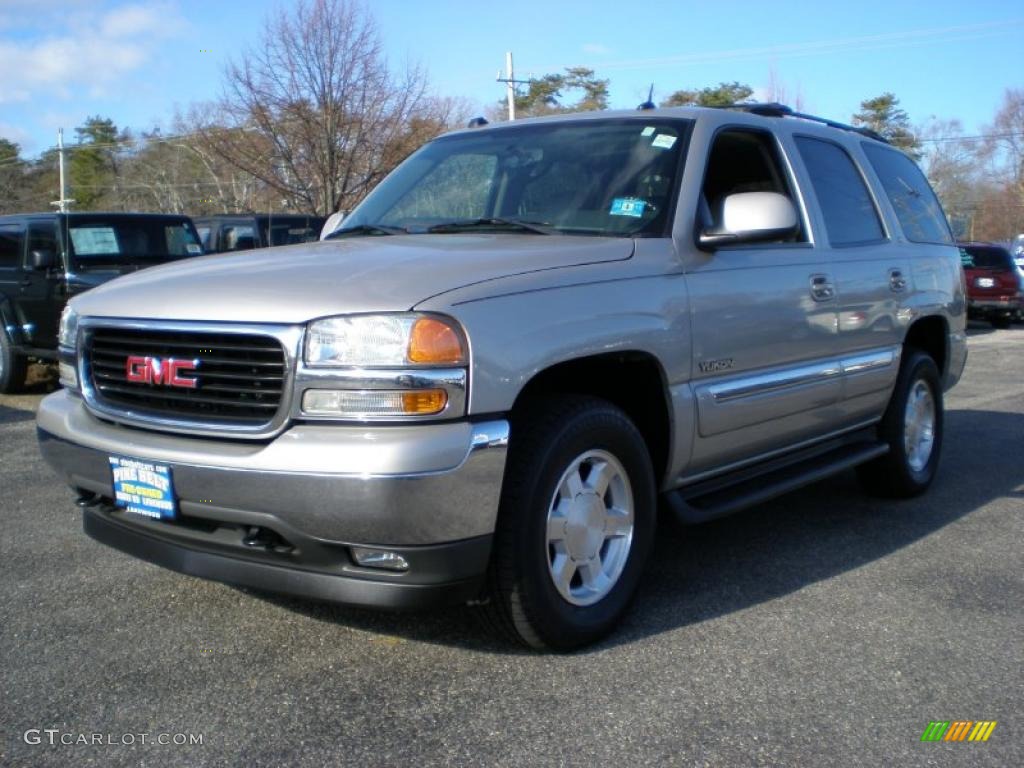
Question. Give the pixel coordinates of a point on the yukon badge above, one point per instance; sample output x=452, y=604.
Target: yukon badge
x=711, y=366
x=160, y=371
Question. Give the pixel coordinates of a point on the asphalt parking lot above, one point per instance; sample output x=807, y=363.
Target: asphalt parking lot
x=825, y=628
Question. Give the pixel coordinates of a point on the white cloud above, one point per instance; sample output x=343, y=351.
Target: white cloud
x=596, y=48
x=94, y=52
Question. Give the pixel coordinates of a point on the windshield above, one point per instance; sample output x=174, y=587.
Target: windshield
x=612, y=177
x=96, y=242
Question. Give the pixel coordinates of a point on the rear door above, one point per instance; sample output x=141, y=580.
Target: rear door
x=872, y=275
x=12, y=253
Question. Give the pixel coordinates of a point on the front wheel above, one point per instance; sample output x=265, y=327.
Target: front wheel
x=912, y=426
x=575, y=526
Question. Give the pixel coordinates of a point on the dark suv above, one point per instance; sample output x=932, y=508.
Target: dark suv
x=46, y=258
x=242, y=232
x=994, y=290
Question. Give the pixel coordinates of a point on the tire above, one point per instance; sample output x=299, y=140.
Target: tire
x=13, y=367
x=558, y=450
x=914, y=437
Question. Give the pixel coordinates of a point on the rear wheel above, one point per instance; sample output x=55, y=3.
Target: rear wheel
x=1002, y=321
x=912, y=426
x=575, y=527
x=13, y=367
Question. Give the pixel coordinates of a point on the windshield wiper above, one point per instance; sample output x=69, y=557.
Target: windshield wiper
x=537, y=227
x=366, y=229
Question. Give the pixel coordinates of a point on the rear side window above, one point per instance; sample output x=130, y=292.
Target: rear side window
x=917, y=208
x=238, y=237
x=12, y=240
x=849, y=212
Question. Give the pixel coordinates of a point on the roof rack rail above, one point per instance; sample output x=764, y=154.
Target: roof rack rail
x=774, y=109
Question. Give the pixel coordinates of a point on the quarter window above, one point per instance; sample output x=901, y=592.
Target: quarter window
x=917, y=208
x=849, y=212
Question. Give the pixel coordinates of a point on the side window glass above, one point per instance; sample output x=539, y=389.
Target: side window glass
x=741, y=161
x=917, y=208
x=846, y=205
x=204, y=237
x=42, y=236
x=238, y=237
x=12, y=241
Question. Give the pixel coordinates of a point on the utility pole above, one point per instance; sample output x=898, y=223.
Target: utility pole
x=62, y=204
x=510, y=85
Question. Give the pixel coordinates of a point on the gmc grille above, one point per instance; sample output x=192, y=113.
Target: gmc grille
x=240, y=377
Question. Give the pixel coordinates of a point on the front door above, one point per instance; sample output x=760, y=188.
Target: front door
x=763, y=321
x=43, y=292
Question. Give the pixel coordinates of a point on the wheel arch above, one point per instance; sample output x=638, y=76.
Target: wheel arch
x=930, y=334
x=634, y=381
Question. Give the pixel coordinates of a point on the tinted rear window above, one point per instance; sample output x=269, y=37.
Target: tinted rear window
x=985, y=257
x=918, y=209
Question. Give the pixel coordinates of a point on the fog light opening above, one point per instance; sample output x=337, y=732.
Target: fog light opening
x=379, y=558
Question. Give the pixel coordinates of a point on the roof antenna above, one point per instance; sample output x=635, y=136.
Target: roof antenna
x=649, y=104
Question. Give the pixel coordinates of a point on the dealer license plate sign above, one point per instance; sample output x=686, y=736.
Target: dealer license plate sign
x=143, y=487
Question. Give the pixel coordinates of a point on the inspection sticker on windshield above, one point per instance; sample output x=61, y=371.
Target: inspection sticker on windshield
x=627, y=206
x=142, y=487
x=647, y=131
x=193, y=248
x=663, y=141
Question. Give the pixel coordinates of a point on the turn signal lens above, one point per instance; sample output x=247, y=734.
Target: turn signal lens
x=361, y=403
x=424, y=401
x=435, y=343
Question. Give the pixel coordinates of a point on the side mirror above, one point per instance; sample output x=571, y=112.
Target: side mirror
x=43, y=259
x=749, y=217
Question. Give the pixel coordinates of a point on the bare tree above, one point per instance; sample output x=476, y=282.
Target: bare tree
x=1006, y=147
x=315, y=113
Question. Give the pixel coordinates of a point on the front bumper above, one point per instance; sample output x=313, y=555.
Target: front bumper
x=428, y=492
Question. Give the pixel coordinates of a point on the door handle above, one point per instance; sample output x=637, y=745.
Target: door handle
x=25, y=283
x=897, y=282
x=822, y=288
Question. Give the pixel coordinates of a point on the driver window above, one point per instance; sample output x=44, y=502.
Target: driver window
x=741, y=161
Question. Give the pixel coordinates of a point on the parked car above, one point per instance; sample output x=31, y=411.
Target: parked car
x=223, y=233
x=478, y=387
x=994, y=285
x=46, y=258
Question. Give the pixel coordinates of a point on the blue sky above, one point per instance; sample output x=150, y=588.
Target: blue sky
x=137, y=61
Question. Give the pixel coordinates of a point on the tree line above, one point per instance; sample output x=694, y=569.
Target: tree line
x=313, y=116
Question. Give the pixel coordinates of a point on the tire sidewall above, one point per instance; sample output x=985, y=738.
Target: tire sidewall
x=603, y=428
x=919, y=367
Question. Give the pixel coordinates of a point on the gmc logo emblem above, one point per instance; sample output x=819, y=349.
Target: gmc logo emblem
x=166, y=372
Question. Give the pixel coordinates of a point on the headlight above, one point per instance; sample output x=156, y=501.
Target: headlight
x=395, y=341
x=68, y=334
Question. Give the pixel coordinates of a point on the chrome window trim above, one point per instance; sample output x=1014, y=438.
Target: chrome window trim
x=454, y=381
x=288, y=336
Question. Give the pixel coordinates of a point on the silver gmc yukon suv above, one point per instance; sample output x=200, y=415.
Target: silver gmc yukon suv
x=523, y=343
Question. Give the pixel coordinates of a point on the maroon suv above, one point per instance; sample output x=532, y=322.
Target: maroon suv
x=994, y=290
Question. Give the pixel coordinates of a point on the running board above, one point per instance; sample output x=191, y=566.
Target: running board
x=707, y=501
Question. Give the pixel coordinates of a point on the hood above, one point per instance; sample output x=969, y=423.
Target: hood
x=297, y=283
